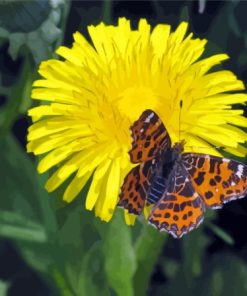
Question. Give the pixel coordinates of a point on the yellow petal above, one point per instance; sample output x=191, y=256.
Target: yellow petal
x=96, y=185
x=76, y=186
x=130, y=219
x=112, y=190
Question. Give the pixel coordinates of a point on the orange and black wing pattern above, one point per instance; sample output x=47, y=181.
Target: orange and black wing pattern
x=135, y=188
x=217, y=180
x=180, y=209
x=149, y=140
x=149, y=137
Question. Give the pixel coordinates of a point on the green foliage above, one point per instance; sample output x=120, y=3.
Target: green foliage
x=3, y=288
x=38, y=33
x=121, y=258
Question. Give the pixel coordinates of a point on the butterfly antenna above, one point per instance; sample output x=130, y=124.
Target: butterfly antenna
x=179, y=119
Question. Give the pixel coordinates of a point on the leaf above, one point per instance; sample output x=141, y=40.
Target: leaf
x=26, y=214
x=120, y=258
x=190, y=262
x=225, y=274
x=221, y=233
x=149, y=240
x=33, y=24
x=4, y=288
x=194, y=245
x=27, y=231
x=23, y=16
x=18, y=98
x=90, y=279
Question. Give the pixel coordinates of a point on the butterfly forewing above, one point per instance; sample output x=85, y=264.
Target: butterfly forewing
x=217, y=180
x=180, y=209
x=149, y=137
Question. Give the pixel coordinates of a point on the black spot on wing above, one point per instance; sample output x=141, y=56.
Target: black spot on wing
x=225, y=184
x=183, y=205
x=167, y=215
x=185, y=217
x=200, y=178
x=200, y=162
x=139, y=155
x=217, y=178
x=190, y=213
x=170, y=205
x=212, y=182
x=233, y=165
x=163, y=205
x=209, y=194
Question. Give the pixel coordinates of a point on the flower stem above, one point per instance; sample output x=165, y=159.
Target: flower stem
x=148, y=241
x=107, y=7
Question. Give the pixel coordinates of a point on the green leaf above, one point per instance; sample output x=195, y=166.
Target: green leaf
x=194, y=245
x=18, y=99
x=15, y=226
x=22, y=192
x=188, y=264
x=26, y=214
x=23, y=16
x=4, y=288
x=34, y=25
x=89, y=279
x=120, y=258
x=221, y=234
x=149, y=240
x=225, y=274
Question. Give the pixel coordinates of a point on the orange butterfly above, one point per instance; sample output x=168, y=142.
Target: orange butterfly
x=179, y=185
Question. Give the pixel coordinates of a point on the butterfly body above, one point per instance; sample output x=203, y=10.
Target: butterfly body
x=179, y=185
x=165, y=164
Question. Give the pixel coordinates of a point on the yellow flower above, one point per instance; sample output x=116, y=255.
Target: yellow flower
x=98, y=90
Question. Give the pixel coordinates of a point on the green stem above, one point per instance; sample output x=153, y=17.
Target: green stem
x=147, y=248
x=107, y=7
x=61, y=283
x=15, y=97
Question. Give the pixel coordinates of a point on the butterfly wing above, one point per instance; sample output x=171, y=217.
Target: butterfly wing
x=149, y=137
x=217, y=180
x=135, y=188
x=180, y=209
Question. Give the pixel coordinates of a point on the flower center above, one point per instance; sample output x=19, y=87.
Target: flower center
x=134, y=100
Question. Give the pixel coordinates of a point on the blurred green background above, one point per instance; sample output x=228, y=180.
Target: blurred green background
x=48, y=247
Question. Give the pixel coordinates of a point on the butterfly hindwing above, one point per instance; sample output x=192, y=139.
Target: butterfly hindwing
x=217, y=180
x=149, y=137
x=135, y=188
x=180, y=209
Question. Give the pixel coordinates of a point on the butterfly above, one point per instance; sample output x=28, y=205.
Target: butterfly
x=178, y=185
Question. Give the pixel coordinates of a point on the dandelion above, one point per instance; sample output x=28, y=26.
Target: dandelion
x=100, y=88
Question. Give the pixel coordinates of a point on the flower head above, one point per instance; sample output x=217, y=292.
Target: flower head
x=98, y=90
